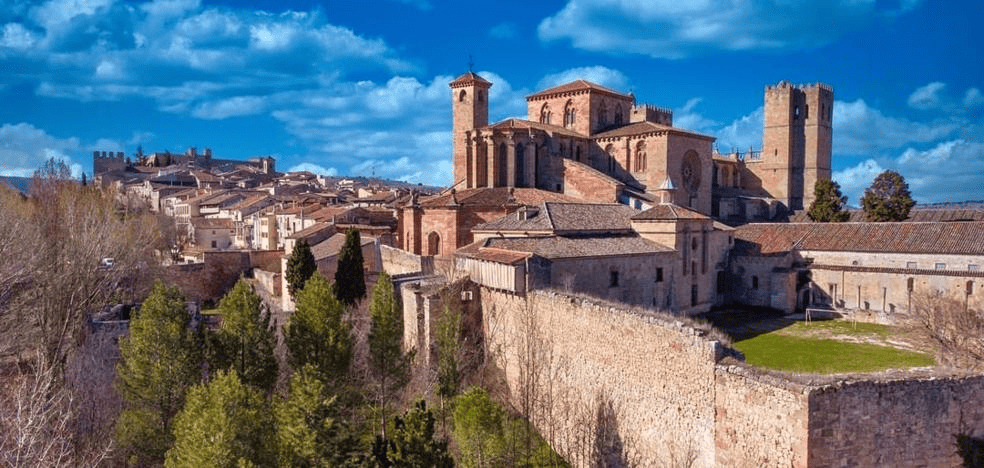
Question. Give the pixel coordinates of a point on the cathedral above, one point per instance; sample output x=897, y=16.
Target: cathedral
x=598, y=144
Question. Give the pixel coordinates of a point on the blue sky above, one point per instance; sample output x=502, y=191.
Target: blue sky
x=355, y=87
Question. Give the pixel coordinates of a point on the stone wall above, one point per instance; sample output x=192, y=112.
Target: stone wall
x=641, y=388
x=644, y=382
x=398, y=261
x=759, y=420
x=583, y=182
x=894, y=423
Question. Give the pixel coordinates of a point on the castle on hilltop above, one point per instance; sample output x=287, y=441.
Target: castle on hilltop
x=105, y=162
x=599, y=144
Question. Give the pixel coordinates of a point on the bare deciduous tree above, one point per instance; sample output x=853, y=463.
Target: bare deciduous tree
x=957, y=328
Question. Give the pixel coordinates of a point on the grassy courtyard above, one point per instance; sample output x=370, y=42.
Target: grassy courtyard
x=826, y=347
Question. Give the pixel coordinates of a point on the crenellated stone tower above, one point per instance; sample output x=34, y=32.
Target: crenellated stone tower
x=796, y=142
x=470, y=105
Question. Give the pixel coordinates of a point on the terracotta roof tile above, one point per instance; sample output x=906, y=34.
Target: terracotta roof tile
x=639, y=128
x=668, y=211
x=498, y=196
x=578, y=85
x=468, y=78
x=557, y=247
x=905, y=237
x=563, y=218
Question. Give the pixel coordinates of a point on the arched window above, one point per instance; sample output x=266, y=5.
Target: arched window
x=755, y=282
x=545, y=113
x=433, y=243
x=610, y=152
x=480, y=96
x=461, y=96
x=618, y=114
x=577, y=153
x=563, y=150
x=602, y=115
x=569, y=114
x=640, y=156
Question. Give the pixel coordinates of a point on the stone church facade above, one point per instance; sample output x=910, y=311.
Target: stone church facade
x=597, y=133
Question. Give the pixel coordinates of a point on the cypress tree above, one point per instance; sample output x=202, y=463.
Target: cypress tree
x=350, y=280
x=300, y=267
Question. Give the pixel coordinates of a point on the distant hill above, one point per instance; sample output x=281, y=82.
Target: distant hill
x=22, y=184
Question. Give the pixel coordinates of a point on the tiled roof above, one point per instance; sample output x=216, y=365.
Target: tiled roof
x=522, y=124
x=498, y=196
x=558, y=247
x=929, y=215
x=213, y=223
x=640, y=128
x=577, y=85
x=314, y=228
x=668, y=211
x=561, y=218
x=906, y=237
x=497, y=255
x=467, y=78
x=332, y=245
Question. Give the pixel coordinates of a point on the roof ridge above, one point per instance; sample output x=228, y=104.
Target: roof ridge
x=550, y=221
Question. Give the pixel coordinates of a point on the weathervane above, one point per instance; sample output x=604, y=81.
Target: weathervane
x=471, y=63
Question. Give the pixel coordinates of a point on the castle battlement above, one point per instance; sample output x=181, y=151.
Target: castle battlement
x=651, y=113
x=784, y=84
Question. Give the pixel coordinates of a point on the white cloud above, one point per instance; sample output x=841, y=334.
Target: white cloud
x=231, y=107
x=938, y=173
x=742, y=134
x=57, y=12
x=505, y=30
x=973, y=98
x=854, y=180
x=927, y=97
x=688, y=118
x=16, y=36
x=109, y=70
x=25, y=148
x=314, y=168
x=860, y=129
x=676, y=29
x=597, y=74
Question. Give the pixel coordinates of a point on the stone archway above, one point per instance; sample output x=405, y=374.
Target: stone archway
x=433, y=243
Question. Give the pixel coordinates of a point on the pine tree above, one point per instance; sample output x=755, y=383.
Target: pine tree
x=246, y=340
x=828, y=203
x=389, y=366
x=300, y=267
x=350, y=280
x=317, y=333
x=413, y=444
x=448, y=351
x=159, y=361
x=309, y=430
x=888, y=198
x=225, y=423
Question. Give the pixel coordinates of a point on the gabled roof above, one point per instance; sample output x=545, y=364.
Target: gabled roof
x=494, y=197
x=563, y=247
x=563, y=218
x=575, y=86
x=522, y=124
x=668, y=211
x=333, y=245
x=955, y=238
x=641, y=128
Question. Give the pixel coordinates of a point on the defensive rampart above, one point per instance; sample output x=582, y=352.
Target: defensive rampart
x=605, y=383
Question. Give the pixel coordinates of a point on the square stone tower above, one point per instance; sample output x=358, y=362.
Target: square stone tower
x=796, y=142
x=470, y=105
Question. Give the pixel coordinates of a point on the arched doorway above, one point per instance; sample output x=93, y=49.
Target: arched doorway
x=433, y=243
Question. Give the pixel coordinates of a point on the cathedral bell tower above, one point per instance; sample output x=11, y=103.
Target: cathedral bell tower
x=470, y=106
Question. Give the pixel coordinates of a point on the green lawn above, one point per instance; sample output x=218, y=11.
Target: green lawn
x=784, y=350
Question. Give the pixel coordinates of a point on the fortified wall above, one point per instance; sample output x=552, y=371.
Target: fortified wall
x=627, y=386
